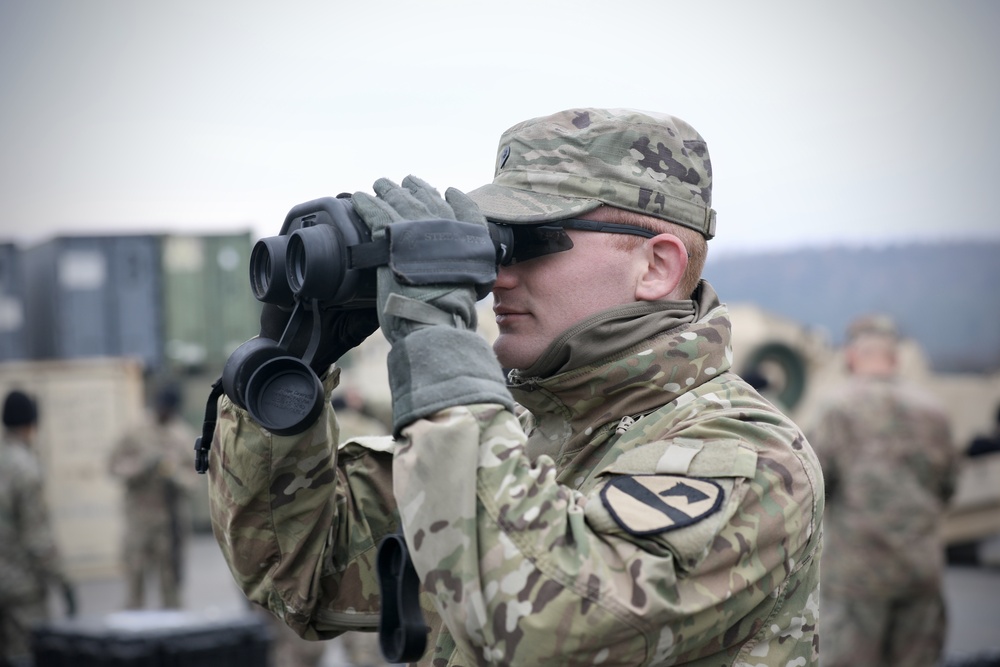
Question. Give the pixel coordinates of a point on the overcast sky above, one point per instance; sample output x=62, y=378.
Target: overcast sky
x=847, y=122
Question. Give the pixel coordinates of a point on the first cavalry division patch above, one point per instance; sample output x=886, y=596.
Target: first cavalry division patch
x=650, y=504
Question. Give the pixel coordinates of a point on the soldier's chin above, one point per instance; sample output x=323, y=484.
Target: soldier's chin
x=514, y=352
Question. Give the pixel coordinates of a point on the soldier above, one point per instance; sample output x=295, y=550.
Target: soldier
x=640, y=504
x=153, y=460
x=890, y=467
x=29, y=558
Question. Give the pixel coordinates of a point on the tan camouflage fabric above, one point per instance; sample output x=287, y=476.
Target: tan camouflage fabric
x=153, y=462
x=512, y=523
x=29, y=557
x=891, y=467
x=571, y=162
x=361, y=648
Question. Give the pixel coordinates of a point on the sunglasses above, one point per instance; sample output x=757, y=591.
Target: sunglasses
x=519, y=243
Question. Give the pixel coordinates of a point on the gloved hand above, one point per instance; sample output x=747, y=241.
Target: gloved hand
x=437, y=358
x=400, y=310
x=69, y=598
x=343, y=330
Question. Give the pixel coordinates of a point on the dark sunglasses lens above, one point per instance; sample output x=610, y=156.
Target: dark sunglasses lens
x=532, y=242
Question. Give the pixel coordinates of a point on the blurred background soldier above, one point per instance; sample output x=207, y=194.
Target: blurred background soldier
x=890, y=467
x=29, y=558
x=153, y=459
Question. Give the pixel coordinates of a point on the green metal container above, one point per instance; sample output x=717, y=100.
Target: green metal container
x=208, y=307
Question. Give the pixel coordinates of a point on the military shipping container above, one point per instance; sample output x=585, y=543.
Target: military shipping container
x=95, y=296
x=208, y=306
x=12, y=327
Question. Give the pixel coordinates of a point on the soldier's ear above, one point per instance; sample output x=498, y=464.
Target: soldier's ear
x=663, y=260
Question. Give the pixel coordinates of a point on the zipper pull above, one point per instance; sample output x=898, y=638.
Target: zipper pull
x=624, y=425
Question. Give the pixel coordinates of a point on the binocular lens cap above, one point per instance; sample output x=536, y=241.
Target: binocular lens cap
x=284, y=396
x=242, y=363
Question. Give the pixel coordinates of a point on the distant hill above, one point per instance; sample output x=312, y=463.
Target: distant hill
x=945, y=296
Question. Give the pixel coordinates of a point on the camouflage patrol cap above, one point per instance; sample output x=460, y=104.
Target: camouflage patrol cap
x=876, y=324
x=572, y=162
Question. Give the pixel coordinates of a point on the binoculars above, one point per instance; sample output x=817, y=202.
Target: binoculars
x=324, y=258
x=311, y=258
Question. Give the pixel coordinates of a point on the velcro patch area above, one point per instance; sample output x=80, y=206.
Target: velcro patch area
x=651, y=504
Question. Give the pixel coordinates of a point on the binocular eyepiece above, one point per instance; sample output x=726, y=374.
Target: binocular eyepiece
x=324, y=258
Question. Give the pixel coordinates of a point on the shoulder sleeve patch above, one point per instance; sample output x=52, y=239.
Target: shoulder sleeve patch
x=651, y=504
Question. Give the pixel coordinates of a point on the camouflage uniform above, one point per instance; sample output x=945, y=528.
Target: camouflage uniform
x=553, y=577
x=642, y=505
x=362, y=648
x=154, y=462
x=891, y=467
x=29, y=559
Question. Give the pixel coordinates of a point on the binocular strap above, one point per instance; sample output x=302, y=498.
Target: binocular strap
x=204, y=442
x=402, y=632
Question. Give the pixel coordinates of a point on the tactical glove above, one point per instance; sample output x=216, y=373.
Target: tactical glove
x=404, y=308
x=437, y=358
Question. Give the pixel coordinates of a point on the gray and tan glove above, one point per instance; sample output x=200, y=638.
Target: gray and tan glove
x=437, y=358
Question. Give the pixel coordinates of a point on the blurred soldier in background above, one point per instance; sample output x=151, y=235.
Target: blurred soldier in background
x=357, y=418
x=153, y=459
x=890, y=468
x=29, y=558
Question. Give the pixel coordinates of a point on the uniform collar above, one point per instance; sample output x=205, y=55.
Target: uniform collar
x=627, y=361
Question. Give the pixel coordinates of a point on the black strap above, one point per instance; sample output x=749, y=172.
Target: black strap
x=433, y=252
x=316, y=336
x=402, y=632
x=367, y=255
x=204, y=442
x=441, y=252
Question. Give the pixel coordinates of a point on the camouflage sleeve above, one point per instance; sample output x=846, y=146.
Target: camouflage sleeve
x=38, y=537
x=131, y=460
x=298, y=523
x=525, y=570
